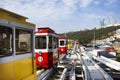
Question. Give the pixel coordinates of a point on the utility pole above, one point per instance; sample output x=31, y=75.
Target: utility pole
x=65, y=35
x=114, y=21
x=102, y=22
x=94, y=38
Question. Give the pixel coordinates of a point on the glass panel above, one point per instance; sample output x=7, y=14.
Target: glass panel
x=62, y=43
x=50, y=42
x=40, y=42
x=57, y=42
x=54, y=43
x=6, y=37
x=23, y=41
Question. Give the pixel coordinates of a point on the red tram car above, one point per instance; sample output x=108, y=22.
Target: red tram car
x=76, y=42
x=46, y=48
x=62, y=45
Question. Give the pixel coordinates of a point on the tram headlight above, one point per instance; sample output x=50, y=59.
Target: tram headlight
x=62, y=49
x=40, y=53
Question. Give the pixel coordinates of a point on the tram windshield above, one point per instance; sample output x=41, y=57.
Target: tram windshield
x=40, y=42
x=62, y=43
x=6, y=37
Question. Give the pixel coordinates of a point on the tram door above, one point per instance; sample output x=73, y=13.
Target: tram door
x=23, y=54
x=6, y=53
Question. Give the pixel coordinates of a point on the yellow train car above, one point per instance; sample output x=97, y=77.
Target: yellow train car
x=17, y=59
x=70, y=44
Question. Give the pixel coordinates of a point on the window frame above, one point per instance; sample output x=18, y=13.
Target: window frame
x=63, y=43
x=49, y=42
x=37, y=41
x=11, y=41
x=31, y=40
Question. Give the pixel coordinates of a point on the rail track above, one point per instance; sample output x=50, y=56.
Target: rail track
x=69, y=68
x=94, y=71
x=112, y=72
x=77, y=66
x=115, y=74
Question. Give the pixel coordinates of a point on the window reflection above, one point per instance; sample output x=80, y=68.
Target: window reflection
x=6, y=37
x=40, y=42
x=62, y=43
x=23, y=41
x=50, y=42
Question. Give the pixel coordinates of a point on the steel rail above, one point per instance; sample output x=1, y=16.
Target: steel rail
x=44, y=75
x=94, y=70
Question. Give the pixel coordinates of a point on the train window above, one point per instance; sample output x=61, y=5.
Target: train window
x=50, y=42
x=40, y=42
x=6, y=37
x=23, y=41
x=62, y=43
x=55, y=42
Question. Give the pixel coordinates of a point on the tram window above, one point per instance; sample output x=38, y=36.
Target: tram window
x=54, y=43
x=6, y=37
x=62, y=43
x=40, y=42
x=57, y=42
x=23, y=41
x=50, y=42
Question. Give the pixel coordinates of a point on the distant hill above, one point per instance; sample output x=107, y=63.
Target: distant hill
x=86, y=36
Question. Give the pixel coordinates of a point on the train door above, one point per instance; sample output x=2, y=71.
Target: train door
x=6, y=53
x=55, y=49
x=24, y=66
x=50, y=50
x=41, y=51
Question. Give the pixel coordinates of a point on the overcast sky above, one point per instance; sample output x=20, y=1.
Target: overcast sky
x=65, y=15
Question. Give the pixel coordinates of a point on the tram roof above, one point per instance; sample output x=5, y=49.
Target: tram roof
x=13, y=13
x=45, y=30
x=61, y=37
x=11, y=16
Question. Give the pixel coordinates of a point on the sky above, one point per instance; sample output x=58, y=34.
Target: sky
x=66, y=15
